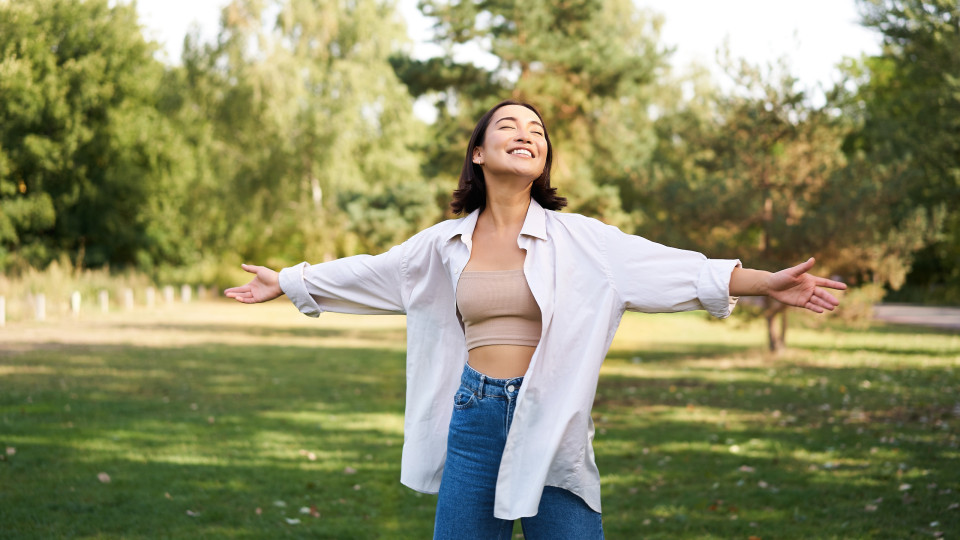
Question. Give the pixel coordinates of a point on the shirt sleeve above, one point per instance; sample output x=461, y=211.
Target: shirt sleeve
x=654, y=278
x=361, y=285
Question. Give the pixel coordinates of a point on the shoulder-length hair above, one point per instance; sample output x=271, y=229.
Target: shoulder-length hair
x=471, y=193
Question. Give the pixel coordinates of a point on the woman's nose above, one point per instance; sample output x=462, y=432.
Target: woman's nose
x=523, y=135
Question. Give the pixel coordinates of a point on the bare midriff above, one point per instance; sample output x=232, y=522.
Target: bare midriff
x=501, y=361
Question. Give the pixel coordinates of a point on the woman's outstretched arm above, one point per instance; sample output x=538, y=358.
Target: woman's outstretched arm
x=792, y=286
x=265, y=286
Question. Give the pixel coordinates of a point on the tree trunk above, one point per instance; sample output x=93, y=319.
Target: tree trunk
x=783, y=327
x=775, y=340
x=772, y=341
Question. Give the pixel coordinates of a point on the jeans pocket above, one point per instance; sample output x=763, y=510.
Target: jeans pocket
x=464, y=399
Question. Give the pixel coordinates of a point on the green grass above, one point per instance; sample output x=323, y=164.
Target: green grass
x=202, y=416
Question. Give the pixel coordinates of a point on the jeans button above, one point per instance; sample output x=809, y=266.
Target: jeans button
x=510, y=388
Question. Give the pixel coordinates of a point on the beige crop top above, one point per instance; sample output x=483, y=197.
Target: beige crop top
x=498, y=308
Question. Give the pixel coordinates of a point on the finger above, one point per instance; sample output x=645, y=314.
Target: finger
x=252, y=268
x=813, y=307
x=233, y=291
x=823, y=303
x=831, y=284
x=826, y=296
x=803, y=267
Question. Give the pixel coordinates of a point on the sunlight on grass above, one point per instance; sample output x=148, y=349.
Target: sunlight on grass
x=699, y=432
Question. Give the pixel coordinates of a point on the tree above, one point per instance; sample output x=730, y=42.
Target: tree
x=907, y=100
x=86, y=158
x=764, y=177
x=315, y=131
x=589, y=65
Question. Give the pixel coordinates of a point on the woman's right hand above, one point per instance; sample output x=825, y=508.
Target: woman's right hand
x=262, y=288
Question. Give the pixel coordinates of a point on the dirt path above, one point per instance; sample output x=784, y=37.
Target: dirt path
x=936, y=317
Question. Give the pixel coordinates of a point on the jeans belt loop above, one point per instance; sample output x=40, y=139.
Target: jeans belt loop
x=483, y=379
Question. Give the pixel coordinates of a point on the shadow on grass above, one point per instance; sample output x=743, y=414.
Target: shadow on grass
x=222, y=430
x=781, y=448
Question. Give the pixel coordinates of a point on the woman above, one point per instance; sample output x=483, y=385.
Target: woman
x=510, y=313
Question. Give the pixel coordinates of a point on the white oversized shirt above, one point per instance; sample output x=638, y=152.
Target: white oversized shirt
x=584, y=275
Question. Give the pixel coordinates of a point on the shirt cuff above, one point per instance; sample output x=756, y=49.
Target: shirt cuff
x=292, y=285
x=713, y=287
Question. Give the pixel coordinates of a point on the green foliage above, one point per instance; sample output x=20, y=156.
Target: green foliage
x=547, y=53
x=308, y=116
x=85, y=155
x=762, y=175
x=291, y=136
x=908, y=102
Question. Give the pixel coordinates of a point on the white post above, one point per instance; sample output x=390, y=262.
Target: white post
x=128, y=299
x=168, y=294
x=151, y=297
x=185, y=294
x=41, y=307
x=3, y=311
x=104, y=301
x=75, y=303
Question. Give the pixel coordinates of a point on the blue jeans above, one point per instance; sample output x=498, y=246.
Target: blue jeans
x=482, y=412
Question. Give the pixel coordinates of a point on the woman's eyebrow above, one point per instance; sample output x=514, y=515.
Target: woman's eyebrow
x=515, y=120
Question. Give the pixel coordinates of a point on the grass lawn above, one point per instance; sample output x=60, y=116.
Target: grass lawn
x=219, y=420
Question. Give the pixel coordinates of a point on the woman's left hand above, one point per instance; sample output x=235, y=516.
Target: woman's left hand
x=795, y=287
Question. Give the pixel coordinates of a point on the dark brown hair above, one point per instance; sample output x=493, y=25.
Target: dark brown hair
x=471, y=193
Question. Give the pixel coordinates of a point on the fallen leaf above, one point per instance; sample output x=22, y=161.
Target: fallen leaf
x=754, y=538
x=211, y=419
x=934, y=524
x=191, y=513
x=11, y=450
x=292, y=521
x=279, y=504
x=103, y=477
x=746, y=468
x=314, y=512
x=762, y=485
x=349, y=470
x=646, y=522
x=258, y=511
x=356, y=487
x=311, y=456
x=905, y=487
x=953, y=506
x=870, y=508
x=167, y=495
x=304, y=510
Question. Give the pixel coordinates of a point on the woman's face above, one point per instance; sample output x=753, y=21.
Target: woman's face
x=514, y=144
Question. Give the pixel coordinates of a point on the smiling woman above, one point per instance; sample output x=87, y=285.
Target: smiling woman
x=510, y=313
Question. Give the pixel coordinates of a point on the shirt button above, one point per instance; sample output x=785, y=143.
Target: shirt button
x=510, y=388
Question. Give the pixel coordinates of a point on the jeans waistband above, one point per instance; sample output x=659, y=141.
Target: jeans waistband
x=483, y=385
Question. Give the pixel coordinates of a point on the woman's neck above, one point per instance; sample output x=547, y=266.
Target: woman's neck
x=506, y=206
x=505, y=217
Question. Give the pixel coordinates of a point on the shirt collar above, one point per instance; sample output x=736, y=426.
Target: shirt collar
x=534, y=224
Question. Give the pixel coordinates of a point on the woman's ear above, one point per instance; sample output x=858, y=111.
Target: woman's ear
x=477, y=156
